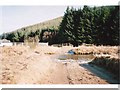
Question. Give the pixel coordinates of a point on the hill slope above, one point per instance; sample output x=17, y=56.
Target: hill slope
x=44, y=25
x=41, y=28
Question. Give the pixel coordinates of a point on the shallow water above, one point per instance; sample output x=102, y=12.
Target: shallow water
x=75, y=57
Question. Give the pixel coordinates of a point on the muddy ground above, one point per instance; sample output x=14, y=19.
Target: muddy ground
x=22, y=65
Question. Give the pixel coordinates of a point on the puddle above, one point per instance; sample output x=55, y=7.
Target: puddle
x=75, y=57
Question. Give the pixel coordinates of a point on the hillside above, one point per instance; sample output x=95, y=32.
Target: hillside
x=37, y=29
x=44, y=25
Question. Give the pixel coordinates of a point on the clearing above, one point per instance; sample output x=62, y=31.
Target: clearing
x=22, y=65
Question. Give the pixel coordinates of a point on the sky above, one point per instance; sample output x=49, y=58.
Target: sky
x=15, y=17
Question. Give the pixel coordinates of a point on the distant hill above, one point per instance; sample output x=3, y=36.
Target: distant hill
x=43, y=30
x=54, y=23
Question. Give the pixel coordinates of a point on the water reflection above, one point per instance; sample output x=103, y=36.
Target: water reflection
x=76, y=57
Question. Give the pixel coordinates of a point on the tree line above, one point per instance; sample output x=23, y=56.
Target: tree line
x=44, y=35
x=91, y=25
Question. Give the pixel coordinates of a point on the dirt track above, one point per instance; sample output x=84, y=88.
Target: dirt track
x=21, y=65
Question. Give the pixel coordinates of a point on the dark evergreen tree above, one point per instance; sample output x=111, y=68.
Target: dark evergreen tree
x=97, y=25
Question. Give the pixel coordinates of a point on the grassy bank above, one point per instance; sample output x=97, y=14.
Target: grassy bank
x=105, y=56
x=97, y=50
x=109, y=63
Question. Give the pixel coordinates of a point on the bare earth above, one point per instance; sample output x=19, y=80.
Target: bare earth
x=22, y=65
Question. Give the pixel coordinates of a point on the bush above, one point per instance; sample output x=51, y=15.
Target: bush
x=32, y=42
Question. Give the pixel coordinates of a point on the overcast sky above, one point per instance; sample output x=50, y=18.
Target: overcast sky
x=15, y=17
